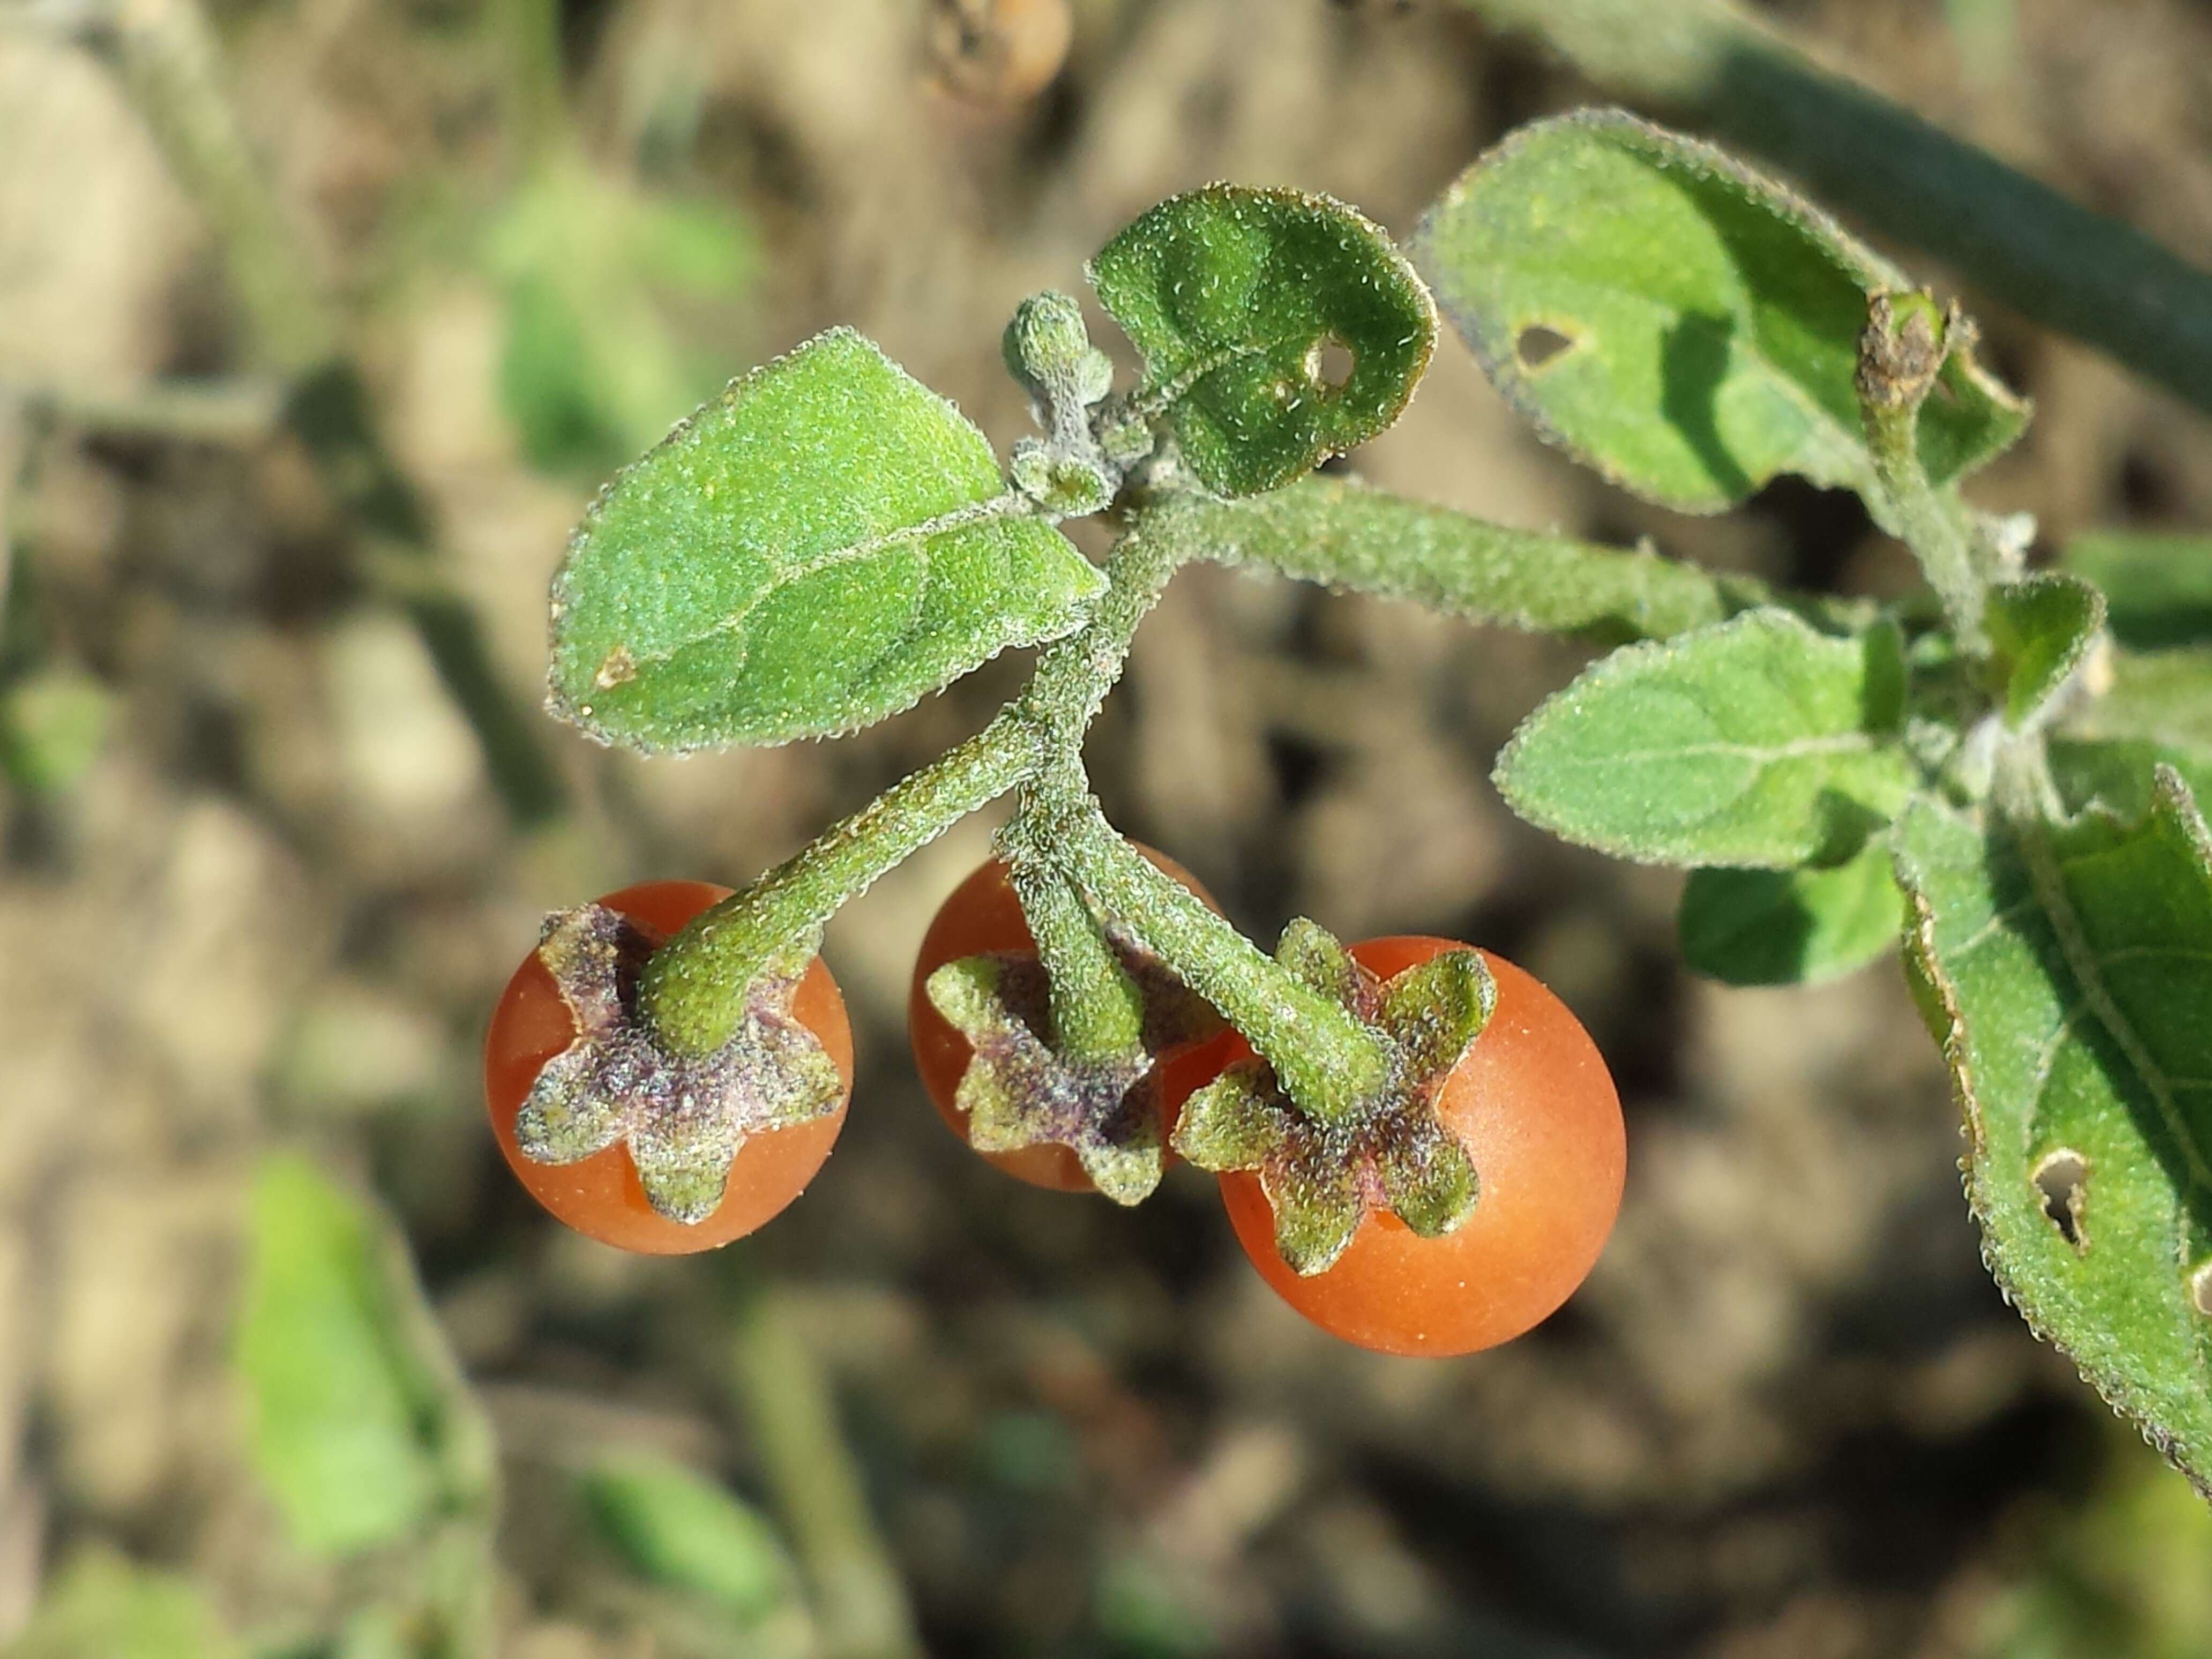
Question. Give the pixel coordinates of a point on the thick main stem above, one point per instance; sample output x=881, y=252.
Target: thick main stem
x=2014, y=238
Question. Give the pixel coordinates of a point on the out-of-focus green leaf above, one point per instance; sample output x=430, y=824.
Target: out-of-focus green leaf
x=1277, y=328
x=2070, y=969
x=101, y=1605
x=1756, y=742
x=343, y=1430
x=613, y=299
x=2120, y=774
x=52, y=726
x=1145, y=1613
x=2156, y=697
x=817, y=549
x=2041, y=629
x=2159, y=588
x=1684, y=326
x=2119, y=1576
x=682, y=1531
x=1790, y=926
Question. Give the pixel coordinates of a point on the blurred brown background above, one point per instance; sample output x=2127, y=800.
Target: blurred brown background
x=256, y=891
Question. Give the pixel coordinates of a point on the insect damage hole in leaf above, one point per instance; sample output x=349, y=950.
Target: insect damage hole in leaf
x=1539, y=344
x=1330, y=364
x=2062, y=1178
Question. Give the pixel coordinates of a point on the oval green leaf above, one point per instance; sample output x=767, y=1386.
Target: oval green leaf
x=1756, y=742
x=341, y=1421
x=1277, y=328
x=1685, y=326
x=2070, y=969
x=2041, y=626
x=819, y=548
x=1790, y=926
x=677, y=1528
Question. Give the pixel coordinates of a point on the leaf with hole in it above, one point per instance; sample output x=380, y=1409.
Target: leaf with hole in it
x=677, y=1528
x=817, y=549
x=1790, y=926
x=2158, y=587
x=1756, y=742
x=1675, y=320
x=2041, y=628
x=2068, y=969
x=357, y=1429
x=1277, y=328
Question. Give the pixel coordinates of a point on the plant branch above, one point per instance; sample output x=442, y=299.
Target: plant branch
x=1098, y=1012
x=2016, y=239
x=1328, y=1062
x=1344, y=535
x=694, y=987
x=1900, y=353
x=165, y=57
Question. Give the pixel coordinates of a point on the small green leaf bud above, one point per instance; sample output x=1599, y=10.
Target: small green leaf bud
x=1047, y=348
x=1068, y=485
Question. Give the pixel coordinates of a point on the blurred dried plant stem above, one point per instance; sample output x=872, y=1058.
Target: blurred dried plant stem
x=166, y=58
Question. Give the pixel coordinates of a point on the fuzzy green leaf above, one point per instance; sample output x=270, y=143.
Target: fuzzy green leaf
x=2041, y=629
x=2159, y=588
x=815, y=550
x=341, y=1415
x=1277, y=328
x=677, y=1528
x=1790, y=926
x=2071, y=969
x=1756, y=742
x=1340, y=533
x=1675, y=320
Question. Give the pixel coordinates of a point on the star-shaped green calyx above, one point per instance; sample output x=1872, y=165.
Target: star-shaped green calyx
x=1321, y=1179
x=1019, y=1091
x=683, y=1117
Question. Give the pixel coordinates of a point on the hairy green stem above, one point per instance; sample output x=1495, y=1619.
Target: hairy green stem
x=1934, y=528
x=1901, y=352
x=166, y=59
x=1098, y=1012
x=2018, y=239
x=1345, y=535
x=694, y=987
x=1326, y=1062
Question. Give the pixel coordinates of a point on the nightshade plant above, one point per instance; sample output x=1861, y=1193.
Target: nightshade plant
x=1985, y=768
